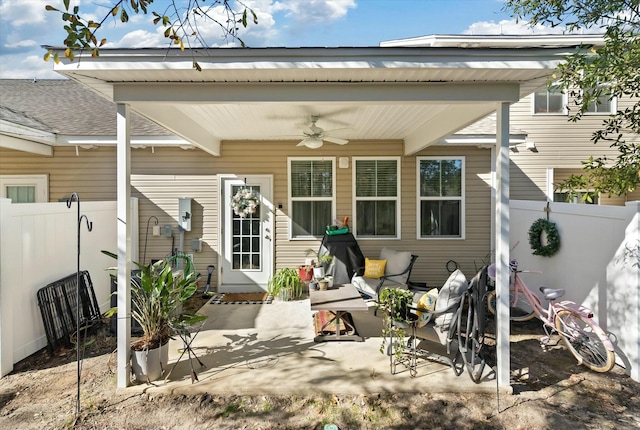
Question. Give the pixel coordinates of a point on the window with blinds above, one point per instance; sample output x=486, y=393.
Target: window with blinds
x=441, y=197
x=376, y=196
x=311, y=192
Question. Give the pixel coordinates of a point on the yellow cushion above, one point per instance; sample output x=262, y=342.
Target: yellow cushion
x=374, y=268
x=428, y=303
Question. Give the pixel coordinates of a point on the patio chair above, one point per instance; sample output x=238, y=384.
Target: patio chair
x=396, y=270
x=433, y=331
x=471, y=333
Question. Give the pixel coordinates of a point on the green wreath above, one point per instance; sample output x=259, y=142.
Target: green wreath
x=535, y=237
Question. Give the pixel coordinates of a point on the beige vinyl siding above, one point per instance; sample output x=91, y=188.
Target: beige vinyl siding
x=561, y=144
x=160, y=177
x=92, y=174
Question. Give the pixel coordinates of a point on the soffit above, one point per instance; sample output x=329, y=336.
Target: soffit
x=163, y=86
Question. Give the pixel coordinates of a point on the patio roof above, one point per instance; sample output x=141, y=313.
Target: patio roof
x=418, y=94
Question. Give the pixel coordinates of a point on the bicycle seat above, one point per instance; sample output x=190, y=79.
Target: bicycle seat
x=551, y=294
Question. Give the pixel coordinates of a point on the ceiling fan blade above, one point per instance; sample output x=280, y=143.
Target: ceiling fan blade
x=302, y=143
x=336, y=140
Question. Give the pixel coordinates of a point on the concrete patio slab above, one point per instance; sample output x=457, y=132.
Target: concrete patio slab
x=269, y=349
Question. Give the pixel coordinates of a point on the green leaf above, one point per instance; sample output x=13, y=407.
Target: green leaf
x=47, y=56
x=56, y=59
x=124, y=17
x=51, y=8
x=66, y=4
x=114, y=11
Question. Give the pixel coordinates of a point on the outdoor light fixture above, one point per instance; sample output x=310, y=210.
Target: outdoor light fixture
x=313, y=142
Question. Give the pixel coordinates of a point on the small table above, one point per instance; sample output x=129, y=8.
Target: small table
x=339, y=301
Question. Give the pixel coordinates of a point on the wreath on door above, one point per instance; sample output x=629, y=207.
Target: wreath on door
x=244, y=202
x=542, y=227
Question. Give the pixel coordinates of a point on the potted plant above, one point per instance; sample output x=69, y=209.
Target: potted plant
x=157, y=296
x=305, y=272
x=395, y=304
x=286, y=284
x=322, y=263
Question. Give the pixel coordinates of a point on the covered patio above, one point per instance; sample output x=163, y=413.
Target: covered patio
x=419, y=95
x=269, y=349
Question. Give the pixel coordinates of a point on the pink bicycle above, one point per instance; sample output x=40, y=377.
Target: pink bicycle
x=574, y=323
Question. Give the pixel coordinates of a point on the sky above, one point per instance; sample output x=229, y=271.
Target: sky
x=25, y=26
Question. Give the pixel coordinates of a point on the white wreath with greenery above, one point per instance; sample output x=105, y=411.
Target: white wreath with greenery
x=244, y=202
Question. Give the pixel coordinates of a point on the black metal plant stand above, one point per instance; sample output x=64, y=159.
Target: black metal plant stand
x=74, y=196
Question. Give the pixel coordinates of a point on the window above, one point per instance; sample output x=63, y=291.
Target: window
x=377, y=190
x=604, y=105
x=441, y=197
x=551, y=100
x=580, y=197
x=312, y=195
x=25, y=188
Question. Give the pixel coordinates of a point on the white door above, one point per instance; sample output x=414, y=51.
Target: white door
x=247, y=246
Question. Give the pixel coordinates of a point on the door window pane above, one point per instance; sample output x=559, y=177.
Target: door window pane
x=246, y=235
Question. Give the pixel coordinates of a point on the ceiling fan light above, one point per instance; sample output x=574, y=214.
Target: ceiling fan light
x=313, y=142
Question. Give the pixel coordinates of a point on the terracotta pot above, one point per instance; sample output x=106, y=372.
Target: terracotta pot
x=305, y=274
x=323, y=285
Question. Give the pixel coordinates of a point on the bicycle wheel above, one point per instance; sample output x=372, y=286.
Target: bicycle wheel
x=519, y=310
x=585, y=339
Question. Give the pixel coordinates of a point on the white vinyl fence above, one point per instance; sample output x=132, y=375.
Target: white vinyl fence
x=598, y=265
x=38, y=245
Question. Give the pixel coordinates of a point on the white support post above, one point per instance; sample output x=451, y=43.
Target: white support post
x=124, y=244
x=502, y=245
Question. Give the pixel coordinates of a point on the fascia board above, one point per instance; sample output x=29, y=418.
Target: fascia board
x=25, y=145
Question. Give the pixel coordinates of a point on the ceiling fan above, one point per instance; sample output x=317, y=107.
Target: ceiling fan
x=316, y=136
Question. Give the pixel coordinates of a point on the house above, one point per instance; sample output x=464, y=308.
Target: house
x=402, y=179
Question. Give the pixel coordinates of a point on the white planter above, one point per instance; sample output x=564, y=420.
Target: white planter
x=318, y=272
x=150, y=365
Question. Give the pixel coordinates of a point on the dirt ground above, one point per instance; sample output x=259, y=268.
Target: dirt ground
x=551, y=392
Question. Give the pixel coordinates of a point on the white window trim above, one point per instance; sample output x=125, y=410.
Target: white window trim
x=462, y=198
x=40, y=182
x=355, y=198
x=565, y=103
x=290, y=199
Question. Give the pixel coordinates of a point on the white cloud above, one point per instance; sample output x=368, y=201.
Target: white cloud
x=324, y=11
x=26, y=12
x=139, y=39
x=510, y=27
x=30, y=67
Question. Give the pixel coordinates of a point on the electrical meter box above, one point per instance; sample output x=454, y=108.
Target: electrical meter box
x=184, y=213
